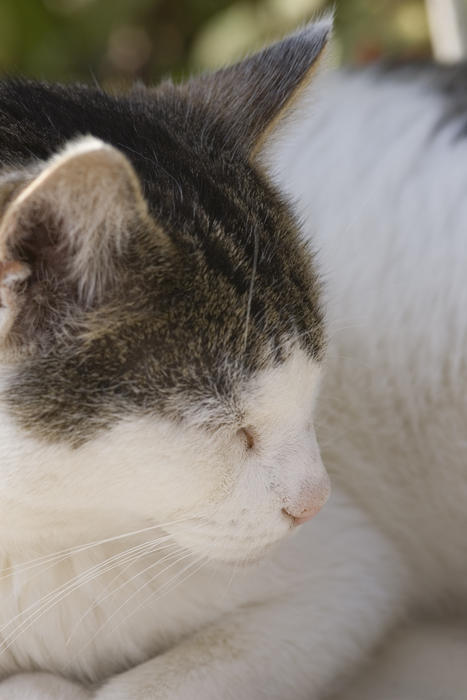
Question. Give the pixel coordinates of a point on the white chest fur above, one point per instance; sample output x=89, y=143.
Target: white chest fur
x=100, y=611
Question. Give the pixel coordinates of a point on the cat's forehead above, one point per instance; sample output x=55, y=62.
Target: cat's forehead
x=283, y=393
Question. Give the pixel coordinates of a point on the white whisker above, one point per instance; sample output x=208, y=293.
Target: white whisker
x=108, y=593
x=163, y=590
x=135, y=593
x=251, y=289
x=47, y=602
x=32, y=563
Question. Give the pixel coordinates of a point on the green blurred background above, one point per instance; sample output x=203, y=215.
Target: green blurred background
x=114, y=42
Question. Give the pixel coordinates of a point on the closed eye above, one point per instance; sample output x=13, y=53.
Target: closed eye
x=247, y=436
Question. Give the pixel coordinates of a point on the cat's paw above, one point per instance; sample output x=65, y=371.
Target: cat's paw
x=41, y=686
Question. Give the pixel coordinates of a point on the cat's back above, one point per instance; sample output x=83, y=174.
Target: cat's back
x=379, y=169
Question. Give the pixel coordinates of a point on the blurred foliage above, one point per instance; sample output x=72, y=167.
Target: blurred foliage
x=114, y=42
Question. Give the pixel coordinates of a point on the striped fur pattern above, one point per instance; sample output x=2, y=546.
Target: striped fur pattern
x=205, y=277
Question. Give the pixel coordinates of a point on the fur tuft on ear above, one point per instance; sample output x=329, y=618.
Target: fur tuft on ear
x=12, y=274
x=70, y=222
x=254, y=95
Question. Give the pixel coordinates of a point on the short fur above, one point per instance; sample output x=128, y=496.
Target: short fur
x=214, y=210
x=156, y=421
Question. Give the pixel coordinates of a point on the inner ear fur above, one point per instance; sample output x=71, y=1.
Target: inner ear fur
x=69, y=223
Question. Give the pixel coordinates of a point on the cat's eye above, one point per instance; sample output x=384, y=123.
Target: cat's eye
x=246, y=434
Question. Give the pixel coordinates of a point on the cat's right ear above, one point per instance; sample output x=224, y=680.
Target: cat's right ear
x=255, y=96
x=65, y=227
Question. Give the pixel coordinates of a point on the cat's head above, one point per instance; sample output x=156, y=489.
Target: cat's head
x=160, y=326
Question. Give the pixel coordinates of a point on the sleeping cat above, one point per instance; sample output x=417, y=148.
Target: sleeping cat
x=162, y=342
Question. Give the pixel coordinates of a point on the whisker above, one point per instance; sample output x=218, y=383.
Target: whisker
x=51, y=599
x=135, y=593
x=108, y=593
x=251, y=289
x=89, y=545
x=230, y=581
x=42, y=571
x=202, y=560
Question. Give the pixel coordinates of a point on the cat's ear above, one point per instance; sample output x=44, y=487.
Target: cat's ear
x=68, y=223
x=254, y=96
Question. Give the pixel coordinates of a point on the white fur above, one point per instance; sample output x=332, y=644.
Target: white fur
x=384, y=205
x=383, y=191
x=217, y=500
x=426, y=662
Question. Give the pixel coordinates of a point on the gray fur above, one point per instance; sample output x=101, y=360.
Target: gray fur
x=220, y=249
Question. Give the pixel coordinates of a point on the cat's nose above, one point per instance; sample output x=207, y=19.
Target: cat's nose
x=313, y=504
x=304, y=516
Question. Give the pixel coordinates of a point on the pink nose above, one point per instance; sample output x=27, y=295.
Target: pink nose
x=314, y=505
x=304, y=516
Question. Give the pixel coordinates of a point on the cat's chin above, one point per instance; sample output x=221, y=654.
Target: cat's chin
x=245, y=562
x=242, y=561
x=240, y=549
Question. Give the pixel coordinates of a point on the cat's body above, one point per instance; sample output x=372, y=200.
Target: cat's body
x=386, y=209
x=391, y=422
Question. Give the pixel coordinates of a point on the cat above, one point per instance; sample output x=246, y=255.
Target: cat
x=175, y=266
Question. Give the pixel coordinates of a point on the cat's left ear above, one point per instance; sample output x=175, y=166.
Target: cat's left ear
x=67, y=227
x=253, y=97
